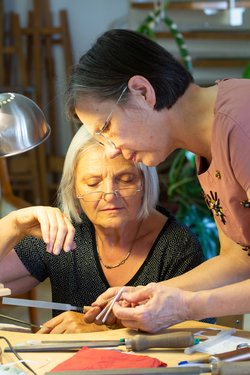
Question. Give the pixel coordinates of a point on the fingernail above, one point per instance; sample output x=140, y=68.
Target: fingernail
x=57, y=250
x=48, y=248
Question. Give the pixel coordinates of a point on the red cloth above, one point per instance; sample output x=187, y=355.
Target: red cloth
x=97, y=359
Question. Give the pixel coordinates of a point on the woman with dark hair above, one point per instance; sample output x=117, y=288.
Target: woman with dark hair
x=139, y=101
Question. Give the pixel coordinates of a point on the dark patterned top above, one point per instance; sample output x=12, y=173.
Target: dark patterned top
x=77, y=277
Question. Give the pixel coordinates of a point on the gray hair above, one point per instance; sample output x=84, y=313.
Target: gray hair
x=67, y=200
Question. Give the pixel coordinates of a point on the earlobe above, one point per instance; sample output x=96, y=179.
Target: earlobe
x=140, y=85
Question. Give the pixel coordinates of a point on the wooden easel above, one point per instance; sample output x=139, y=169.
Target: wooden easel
x=32, y=51
x=45, y=36
x=12, y=54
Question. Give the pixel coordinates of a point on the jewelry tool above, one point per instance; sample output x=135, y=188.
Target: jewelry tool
x=139, y=371
x=109, y=306
x=239, y=368
x=135, y=343
x=20, y=321
x=41, y=304
x=49, y=305
x=241, y=354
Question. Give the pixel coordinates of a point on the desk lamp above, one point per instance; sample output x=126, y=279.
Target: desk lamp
x=22, y=127
x=22, y=124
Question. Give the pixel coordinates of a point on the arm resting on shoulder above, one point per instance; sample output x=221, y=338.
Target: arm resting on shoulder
x=47, y=223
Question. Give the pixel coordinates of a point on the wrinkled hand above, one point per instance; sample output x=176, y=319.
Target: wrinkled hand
x=70, y=322
x=101, y=302
x=47, y=223
x=152, y=307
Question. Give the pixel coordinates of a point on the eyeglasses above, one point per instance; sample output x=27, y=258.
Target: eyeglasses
x=99, y=195
x=102, y=138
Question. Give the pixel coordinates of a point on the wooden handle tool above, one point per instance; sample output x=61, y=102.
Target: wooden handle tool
x=166, y=340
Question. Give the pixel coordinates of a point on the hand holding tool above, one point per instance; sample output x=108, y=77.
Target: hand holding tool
x=107, y=309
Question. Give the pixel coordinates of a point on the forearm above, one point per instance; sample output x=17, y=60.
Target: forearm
x=213, y=273
x=10, y=234
x=231, y=266
x=46, y=223
x=21, y=285
x=228, y=300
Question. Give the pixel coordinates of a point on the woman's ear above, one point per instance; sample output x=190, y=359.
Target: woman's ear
x=140, y=85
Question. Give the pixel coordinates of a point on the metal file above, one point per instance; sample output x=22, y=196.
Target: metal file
x=41, y=304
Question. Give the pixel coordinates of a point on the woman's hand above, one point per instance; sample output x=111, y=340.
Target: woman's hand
x=70, y=322
x=101, y=302
x=152, y=308
x=47, y=223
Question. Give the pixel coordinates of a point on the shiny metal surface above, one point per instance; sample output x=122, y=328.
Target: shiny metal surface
x=22, y=124
x=41, y=304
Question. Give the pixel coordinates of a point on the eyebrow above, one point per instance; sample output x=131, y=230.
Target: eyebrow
x=117, y=173
x=88, y=176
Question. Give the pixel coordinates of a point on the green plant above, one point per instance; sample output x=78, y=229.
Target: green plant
x=158, y=15
x=182, y=194
x=246, y=71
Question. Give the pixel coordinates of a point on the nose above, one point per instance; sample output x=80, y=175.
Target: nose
x=112, y=152
x=109, y=196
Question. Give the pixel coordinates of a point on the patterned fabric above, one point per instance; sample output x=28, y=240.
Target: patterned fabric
x=77, y=277
x=227, y=178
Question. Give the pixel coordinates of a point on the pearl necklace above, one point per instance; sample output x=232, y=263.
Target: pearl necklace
x=127, y=255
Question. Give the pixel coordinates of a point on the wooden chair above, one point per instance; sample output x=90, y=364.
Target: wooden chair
x=8, y=203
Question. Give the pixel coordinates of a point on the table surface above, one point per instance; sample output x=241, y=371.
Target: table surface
x=44, y=362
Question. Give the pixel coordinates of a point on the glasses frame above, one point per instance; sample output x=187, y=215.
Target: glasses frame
x=100, y=132
x=114, y=192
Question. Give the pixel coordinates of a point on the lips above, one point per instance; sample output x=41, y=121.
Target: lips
x=112, y=209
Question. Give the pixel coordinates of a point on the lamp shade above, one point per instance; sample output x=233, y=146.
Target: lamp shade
x=22, y=124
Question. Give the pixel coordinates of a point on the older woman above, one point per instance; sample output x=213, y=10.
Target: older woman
x=121, y=238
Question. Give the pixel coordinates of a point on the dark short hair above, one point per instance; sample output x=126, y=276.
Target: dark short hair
x=116, y=56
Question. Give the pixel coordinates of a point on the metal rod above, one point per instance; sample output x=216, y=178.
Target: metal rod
x=19, y=321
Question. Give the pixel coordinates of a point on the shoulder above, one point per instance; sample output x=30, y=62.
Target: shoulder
x=177, y=232
x=233, y=96
x=30, y=243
